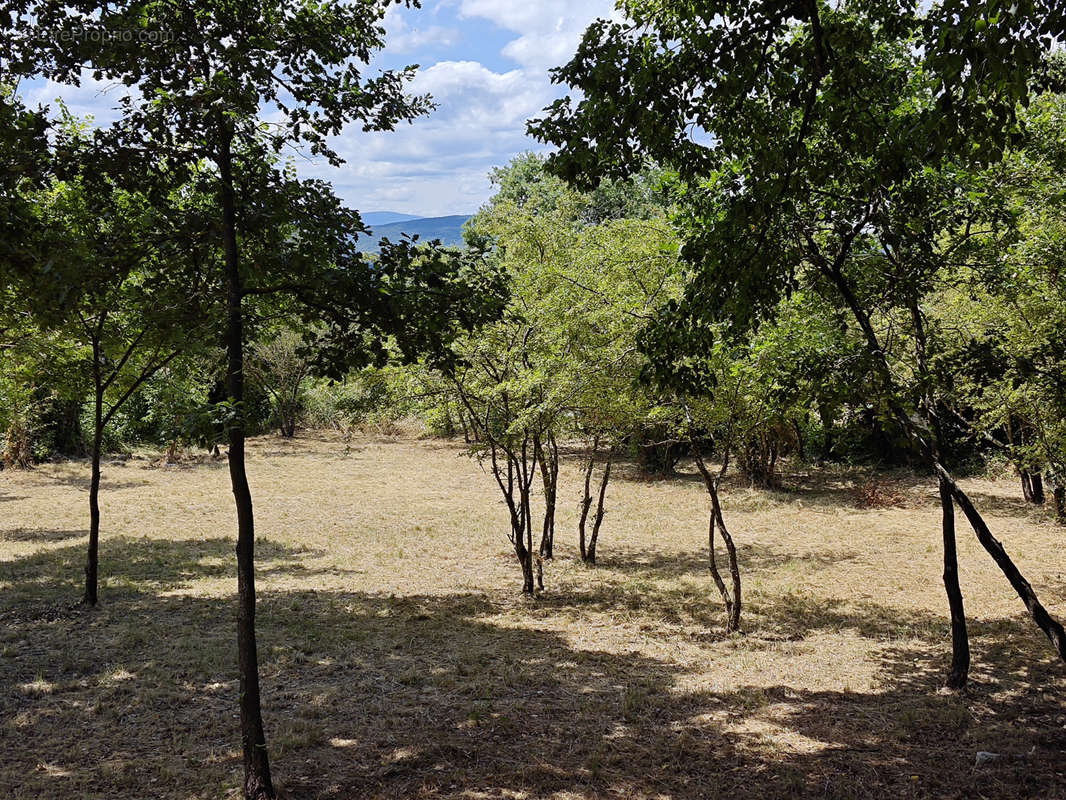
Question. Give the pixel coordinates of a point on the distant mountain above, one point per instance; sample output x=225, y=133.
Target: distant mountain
x=386, y=217
x=448, y=229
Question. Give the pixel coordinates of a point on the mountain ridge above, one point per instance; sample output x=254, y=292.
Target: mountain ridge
x=448, y=229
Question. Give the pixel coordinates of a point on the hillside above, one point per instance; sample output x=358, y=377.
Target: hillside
x=447, y=229
x=386, y=217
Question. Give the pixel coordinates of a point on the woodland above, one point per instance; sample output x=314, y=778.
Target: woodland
x=733, y=436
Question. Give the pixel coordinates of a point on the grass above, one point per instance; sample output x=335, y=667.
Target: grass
x=399, y=661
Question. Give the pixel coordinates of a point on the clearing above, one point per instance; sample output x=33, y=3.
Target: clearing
x=399, y=660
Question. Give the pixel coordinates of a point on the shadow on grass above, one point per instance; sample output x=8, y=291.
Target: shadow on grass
x=457, y=696
x=40, y=535
x=752, y=558
x=132, y=567
x=107, y=483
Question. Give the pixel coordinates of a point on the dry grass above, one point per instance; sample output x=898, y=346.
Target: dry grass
x=399, y=661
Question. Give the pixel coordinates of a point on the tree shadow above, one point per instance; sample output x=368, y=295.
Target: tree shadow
x=461, y=696
x=753, y=559
x=82, y=482
x=40, y=535
x=132, y=567
x=1001, y=506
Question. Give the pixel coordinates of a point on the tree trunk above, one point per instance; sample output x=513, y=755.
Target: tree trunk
x=92, y=560
x=733, y=623
x=600, y=512
x=586, y=502
x=257, y=781
x=727, y=598
x=1036, y=482
x=288, y=428
x=548, y=458
x=732, y=599
x=1060, y=504
x=960, y=641
x=959, y=672
x=523, y=535
x=1051, y=628
x=1027, y=486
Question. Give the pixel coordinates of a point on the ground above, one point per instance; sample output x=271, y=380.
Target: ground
x=399, y=660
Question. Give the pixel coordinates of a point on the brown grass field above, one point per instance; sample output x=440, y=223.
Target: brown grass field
x=399, y=660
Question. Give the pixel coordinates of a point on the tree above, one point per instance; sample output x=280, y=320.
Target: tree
x=125, y=289
x=1000, y=357
x=503, y=403
x=281, y=365
x=586, y=269
x=828, y=132
x=24, y=164
x=199, y=101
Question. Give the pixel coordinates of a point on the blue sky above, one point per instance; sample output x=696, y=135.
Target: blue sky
x=486, y=64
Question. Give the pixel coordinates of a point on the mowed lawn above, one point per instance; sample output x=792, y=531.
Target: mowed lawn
x=399, y=660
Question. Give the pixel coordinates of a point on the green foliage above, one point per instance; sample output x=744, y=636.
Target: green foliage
x=1001, y=323
x=586, y=271
x=843, y=151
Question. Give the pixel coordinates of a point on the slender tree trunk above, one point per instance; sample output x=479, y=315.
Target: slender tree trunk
x=732, y=600
x=257, y=781
x=958, y=674
x=524, y=534
x=960, y=640
x=586, y=502
x=92, y=560
x=712, y=561
x=600, y=511
x=1036, y=481
x=1060, y=504
x=526, y=488
x=548, y=457
x=733, y=624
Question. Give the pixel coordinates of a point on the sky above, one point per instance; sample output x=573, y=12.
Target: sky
x=485, y=62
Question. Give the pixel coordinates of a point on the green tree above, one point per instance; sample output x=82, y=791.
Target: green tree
x=281, y=366
x=126, y=289
x=1000, y=353
x=828, y=139
x=198, y=101
x=586, y=271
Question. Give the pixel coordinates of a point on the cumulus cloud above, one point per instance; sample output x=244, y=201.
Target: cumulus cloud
x=486, y=64
x=403, y=38
x=440, y=165
x=96, y=99
x=549, y=30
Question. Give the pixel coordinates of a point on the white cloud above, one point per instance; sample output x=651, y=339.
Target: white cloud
x=440, y=165
x=549, y=29
x=96, y=99
x=402, y=38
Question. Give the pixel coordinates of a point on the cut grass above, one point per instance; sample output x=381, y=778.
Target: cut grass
x=399, y=660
